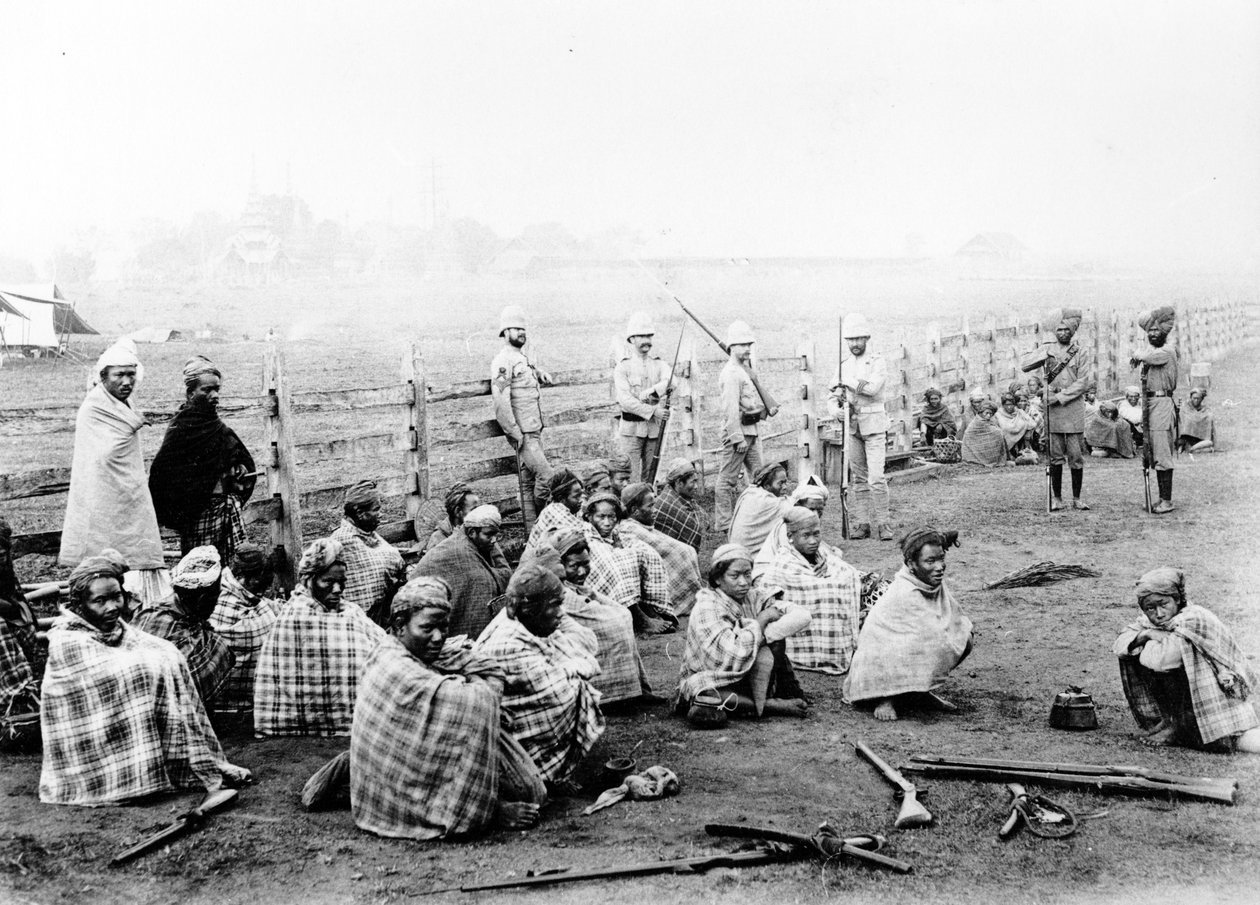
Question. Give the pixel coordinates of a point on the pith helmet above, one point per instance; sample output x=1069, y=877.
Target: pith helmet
x=640, y=325
x=739, y=334
x=855, y=325
x=513, y=317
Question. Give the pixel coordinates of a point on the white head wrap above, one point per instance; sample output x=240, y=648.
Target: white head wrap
x=121, y=354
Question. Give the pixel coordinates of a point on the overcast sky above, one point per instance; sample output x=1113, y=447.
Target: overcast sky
x=712, y=128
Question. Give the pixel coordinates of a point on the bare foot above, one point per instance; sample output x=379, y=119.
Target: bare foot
x=1162, y=738
x=786, y=707
x=938, y=702
x=563, y=788
x=516, y=815
x=1249, y=741
x=654, y=626
x=885, y=711
x=1161, y=726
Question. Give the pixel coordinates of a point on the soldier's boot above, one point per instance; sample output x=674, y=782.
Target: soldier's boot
x=1056, y=487
x=885, y=532
x=860, y=531
x=1164, y=478
x=1078, y=481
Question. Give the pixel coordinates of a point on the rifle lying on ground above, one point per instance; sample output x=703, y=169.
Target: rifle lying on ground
x=184, y=823
x=1100, y=777
x=771, y=404
x=912, y=813
x=783, y=847
x=654, y=462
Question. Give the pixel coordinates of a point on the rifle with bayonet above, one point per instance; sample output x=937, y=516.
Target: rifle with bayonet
x=771, y=404
x=1147, y=451
x=183, y=824
x=844, y=439
x=649, y=476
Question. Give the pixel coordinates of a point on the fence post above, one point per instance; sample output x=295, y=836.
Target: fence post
x=989, y=357
x=810, y=461
x=286, y=530
x=689, y=387
x=416, y=424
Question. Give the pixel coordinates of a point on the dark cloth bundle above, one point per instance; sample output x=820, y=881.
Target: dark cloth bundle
x=197, y=451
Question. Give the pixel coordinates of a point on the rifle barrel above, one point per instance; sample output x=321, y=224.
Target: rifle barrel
x=891, y=774
x=1084, y=769
x=1130, y=784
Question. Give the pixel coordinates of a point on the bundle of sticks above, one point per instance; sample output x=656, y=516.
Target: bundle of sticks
x=1126, y=779
x=1042, y=573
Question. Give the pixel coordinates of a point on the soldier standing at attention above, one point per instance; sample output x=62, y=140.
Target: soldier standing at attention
x=1065, y=419
x=640, y=380
x=1160, y=365
x=742, y=409
x=514, y=387
x=864, y=378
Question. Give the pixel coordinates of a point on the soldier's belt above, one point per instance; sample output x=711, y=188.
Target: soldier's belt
x=869, y=409
x=631, y=416
x=1160, y=393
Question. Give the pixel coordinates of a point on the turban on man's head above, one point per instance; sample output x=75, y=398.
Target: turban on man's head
x=918, y=538
x=485, y=516
x=122, y=354
x=1164, y=317
x=549, y=558
x=566, y=539
x=765, y=474
x=593, y=472
x=200, y=568
x=1070, y=316
x=604, y=496
x=250, y=558
x=428, y=592
x=1165, y=580
x=533, y=583
x=930, y=392
x=679, y=468
x=799, y=517
x=195, y=367
x=562, y=480
x=454, y=500
x=810, y=489
x=109, y=564
x=977, y=394
x=1011, y=398
x=723, y=556
x=362, y=493
x=634, y=494
x=988, y=406
x=1108, y=409
x=618, y=463
x=1133, y=390
x=318, y=558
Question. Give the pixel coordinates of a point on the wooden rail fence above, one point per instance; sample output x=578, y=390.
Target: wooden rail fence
x=437, y=444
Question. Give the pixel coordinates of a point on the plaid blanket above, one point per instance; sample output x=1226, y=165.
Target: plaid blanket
x=911, y=639
x=309, y=668
x=723, y=638
x=552, y=517
x=474, y=580
x=16, y=679
x=1103, y=433
x=374, y=570
x=621, y=674
x=831, y=590
x=426, y=747
x=121, y=718
x=757, y=511
x=984, y=444
x=209, y=657
x=682, y=565
x=219, y=525
x=680, y=519
x=244, y=621
x=629, y=573
x=1219, y=677
x=553, y=707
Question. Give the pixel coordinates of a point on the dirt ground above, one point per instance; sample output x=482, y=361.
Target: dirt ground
x=792, y=774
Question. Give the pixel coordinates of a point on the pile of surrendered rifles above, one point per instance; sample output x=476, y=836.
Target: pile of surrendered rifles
x=1043, y=817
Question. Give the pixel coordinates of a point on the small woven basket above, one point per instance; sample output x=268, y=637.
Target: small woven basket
x=947, y=449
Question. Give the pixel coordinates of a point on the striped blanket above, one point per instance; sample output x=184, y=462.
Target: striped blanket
x=209, y=657
x=1220, y=680
x=428, y=758
x=374, y=570
x=680, y=519
x=621, y=674
x=244, y=621
x=121, y=718
x=630, y=574
x=757, y=511
x=17, y=682
x=723, y=639
x=682, y=564
x=474, y=580
x=308, y=671
x=549, y=698
x=911, y=639
x=553, y=517
x=831, y=590
x=984, y=444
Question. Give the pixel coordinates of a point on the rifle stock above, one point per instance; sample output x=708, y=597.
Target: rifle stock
x=184, y=823
x=912, y=813
x=771, y=404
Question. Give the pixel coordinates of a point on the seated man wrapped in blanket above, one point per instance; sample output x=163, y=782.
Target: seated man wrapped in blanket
x=549, y=661
x=811, y=494
x=677, y=513
x=565, y=491
x=1108, y=435
x=244, y=619
x=914, y=635
x=308, y=671
x=735, y=657
x=759, y=507
x=374, y=566
x=430, y=756
x=1187, y=681
x=472, y=564
x=21, y=657
x=682, y=563
x=627, y=571
x=813, y=575
x=621, y=673
x=121, y=717
x=984, y=443
x=1196, y=430
x=181, y=618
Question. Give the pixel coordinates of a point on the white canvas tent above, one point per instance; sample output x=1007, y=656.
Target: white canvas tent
x=43, y=319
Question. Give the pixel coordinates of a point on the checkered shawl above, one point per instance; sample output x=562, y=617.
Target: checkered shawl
x=209, y=657
x=219, y=525
x=552, y=517
x=680, y=519
x=244, y=621
x=121, y=718
x=426, y=746
x=723, y=638
x=757, y=511
x=374, y=570
x=553, y=706
x=1220, y=679
x=16, y=677
x=474, y=580
x=629, y=573
x=682, y=565
x=831, y=590
x=911, y=639
x=621, y=675
x=309, y=668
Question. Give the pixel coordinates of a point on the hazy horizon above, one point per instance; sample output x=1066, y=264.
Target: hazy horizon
x=1113, y=129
